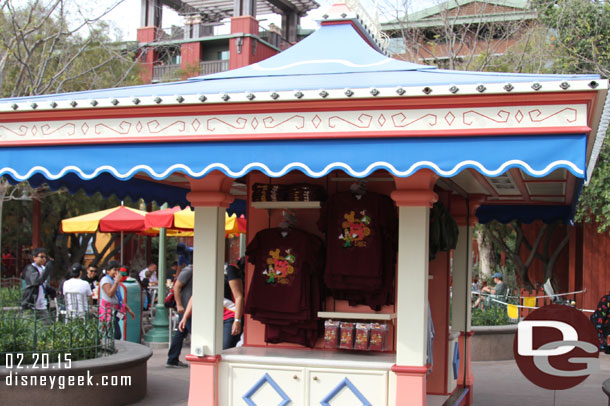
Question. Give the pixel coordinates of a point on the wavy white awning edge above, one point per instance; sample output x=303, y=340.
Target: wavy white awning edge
x=299, y=166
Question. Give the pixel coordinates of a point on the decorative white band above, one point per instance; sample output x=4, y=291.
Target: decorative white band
x=458, y=121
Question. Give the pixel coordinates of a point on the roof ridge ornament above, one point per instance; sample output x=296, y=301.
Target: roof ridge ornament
x=357, y=13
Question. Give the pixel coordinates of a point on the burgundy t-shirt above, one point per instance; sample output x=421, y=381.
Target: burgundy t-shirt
x=357, y=228
x=285, y=263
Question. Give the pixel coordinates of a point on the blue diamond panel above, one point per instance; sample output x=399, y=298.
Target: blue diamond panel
x=266, y=379
x=345, y=383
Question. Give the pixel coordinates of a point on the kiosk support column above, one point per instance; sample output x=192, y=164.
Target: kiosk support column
x=414, y=197
x=464, y=214
x=210, y=197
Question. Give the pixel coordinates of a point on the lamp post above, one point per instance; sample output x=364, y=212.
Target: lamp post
x=160, y=330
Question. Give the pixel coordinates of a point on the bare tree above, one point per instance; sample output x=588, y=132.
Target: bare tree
x=56, y=45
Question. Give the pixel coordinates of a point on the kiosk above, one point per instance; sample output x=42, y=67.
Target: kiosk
x=331, y=109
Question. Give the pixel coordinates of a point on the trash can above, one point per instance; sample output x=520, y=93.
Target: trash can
x=131, y=328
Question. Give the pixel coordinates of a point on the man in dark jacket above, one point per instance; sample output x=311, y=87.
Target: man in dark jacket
x=35, y=276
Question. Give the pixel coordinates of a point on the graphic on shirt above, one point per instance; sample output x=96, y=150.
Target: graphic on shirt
x=355, y=230
x=279, y=267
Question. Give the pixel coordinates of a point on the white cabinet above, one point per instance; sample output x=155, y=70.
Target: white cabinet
x=265, y=385
x=347, y=387
x=273, y=377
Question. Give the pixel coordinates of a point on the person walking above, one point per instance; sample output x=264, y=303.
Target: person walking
x=112, y=298
x=183, y=290
x=36, y=289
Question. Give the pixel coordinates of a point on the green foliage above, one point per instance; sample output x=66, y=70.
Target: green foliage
x=581, y=42
x=494, y=315
x=10, y=296
x=594, y=203
x=20, y=333
x=581, y=31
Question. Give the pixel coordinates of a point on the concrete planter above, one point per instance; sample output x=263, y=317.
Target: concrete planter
x=118, y=379
x=493, y=343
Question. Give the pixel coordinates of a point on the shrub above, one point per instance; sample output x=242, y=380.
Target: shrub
x=82, y=338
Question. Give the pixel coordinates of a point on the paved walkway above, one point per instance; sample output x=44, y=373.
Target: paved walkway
x=497, y=383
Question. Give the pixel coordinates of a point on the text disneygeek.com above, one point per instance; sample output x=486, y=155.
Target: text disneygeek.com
x=19, y=363
x=15, y=379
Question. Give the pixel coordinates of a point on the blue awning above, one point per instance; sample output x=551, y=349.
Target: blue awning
x=536, y=155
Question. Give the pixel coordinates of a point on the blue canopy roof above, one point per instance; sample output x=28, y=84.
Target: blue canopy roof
x=333, y=57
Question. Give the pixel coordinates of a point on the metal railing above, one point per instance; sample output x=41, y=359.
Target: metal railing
x=59, y=336
x=166, y=73
x=209, y=67
x=274, y=38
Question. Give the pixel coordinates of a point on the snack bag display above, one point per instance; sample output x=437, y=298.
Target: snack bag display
x=331, y=334
x=347, y=335
x=362, y=336
x=379, y=337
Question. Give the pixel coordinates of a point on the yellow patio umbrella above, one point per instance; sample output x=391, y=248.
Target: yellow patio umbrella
x=182, y=221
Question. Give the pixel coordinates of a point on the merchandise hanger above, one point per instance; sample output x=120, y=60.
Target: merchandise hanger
x=289, y=220
x=358, y=189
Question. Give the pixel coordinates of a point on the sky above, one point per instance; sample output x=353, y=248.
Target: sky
x=126, y=17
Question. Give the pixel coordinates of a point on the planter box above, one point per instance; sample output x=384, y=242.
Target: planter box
x=493, y=343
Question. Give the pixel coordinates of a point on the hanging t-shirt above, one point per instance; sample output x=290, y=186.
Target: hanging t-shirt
x=284, y=292
x=283, y=261
x=361, y=233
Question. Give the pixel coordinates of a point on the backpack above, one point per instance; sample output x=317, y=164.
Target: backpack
x=170, y=300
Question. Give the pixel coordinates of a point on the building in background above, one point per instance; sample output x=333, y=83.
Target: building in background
x=217, y=35
x=452, y=34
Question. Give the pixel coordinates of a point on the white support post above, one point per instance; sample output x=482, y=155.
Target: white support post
x=462, y=280
x=208, y=281
x=412, y=285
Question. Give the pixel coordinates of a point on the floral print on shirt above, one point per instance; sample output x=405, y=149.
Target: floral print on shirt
x=355, y=230
x=279, y=268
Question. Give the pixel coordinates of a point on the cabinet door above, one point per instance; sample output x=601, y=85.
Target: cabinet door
x=329, y=387
x=265, y=385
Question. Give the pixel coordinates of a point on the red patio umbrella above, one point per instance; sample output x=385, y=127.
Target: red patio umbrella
x=118, y=219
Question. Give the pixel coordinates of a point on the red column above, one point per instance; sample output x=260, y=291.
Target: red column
x=191, y=58
x=147, y=35
x=240, y=48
